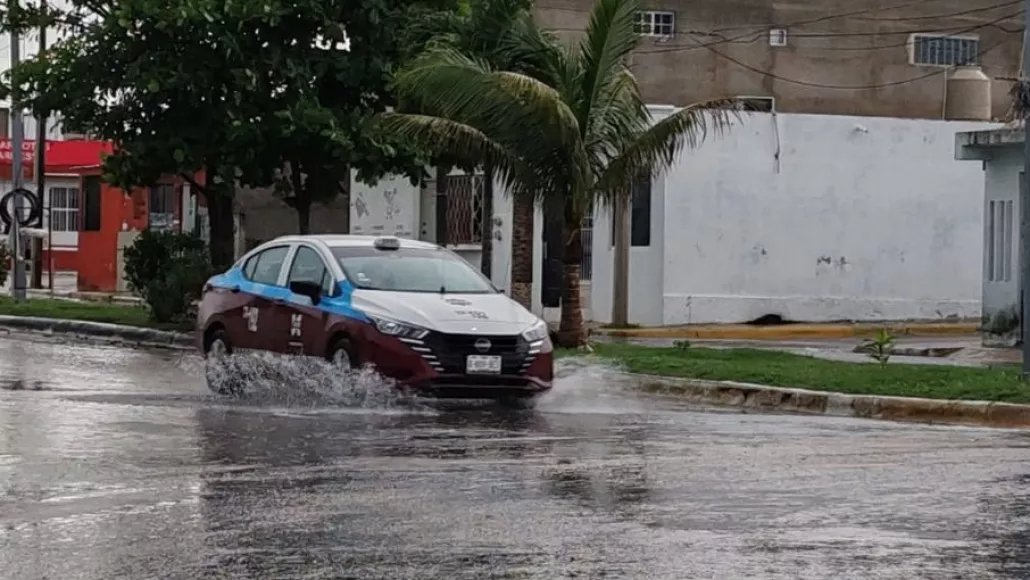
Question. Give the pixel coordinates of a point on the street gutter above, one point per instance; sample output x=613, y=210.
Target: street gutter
x=791, y=400
x=112, y=333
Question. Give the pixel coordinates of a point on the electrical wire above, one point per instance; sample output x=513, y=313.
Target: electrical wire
x=787, y=80
x=941, y=31
x=937, y=16
x=905, y=42
x=754, y=35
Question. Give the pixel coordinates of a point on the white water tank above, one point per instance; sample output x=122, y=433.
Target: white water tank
x=968, y=95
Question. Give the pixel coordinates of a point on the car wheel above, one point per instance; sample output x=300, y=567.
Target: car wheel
x=220, y=380
x=341, y=355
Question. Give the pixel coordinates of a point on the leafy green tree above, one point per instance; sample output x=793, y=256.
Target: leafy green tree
x=235, y=91
x=574, y=129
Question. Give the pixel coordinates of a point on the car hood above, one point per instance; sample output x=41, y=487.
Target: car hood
x=450, y=313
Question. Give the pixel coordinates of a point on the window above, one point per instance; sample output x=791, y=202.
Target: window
x=586, y=237
x=464, y=212
x=758, y=104
x=778, y=37
x=930, y=50
x=999, y=241
x=308, y=266
x=162, y=206
x=91, y=203
x=640, y=214
x=64, y=209
x=411, y=270
x=264, y=267
x=655, y=23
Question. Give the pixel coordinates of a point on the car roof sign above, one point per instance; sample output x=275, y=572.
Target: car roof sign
x=387, y=244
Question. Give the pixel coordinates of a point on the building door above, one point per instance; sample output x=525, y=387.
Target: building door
x=553, y=266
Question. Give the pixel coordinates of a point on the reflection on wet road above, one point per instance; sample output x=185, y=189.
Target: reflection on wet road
x=118, y=464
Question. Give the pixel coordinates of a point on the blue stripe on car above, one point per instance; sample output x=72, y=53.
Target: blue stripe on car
x=339, y=305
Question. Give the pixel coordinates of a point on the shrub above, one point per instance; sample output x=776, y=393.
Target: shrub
x=5, y=263
x=167, y=270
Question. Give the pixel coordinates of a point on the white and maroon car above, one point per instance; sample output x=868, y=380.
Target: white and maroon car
x=419, y=313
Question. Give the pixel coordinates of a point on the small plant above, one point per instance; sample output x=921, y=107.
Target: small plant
x=880, y=347
x=5, y=263
x=167, y=270
x=682, y=344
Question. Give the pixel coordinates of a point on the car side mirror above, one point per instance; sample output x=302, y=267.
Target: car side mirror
x=309, y=289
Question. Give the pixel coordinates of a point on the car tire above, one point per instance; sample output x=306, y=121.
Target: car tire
x=341, y=355
x=217, y=347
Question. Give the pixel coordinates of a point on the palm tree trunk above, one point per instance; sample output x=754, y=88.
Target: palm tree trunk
x=486, y=260
x=571, y=332
x=523, y=215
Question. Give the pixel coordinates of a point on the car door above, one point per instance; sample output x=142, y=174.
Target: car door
x=307, y=322
x=261, y=285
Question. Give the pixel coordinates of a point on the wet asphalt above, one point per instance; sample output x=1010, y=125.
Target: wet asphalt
x=116, y=463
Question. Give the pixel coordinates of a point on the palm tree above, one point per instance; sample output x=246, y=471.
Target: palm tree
x=572, y=126
x=487, y=30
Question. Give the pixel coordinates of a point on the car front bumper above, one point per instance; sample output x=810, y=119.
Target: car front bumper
x=423, y=369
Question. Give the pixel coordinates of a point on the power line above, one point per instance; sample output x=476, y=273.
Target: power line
x=755, y=35
x=753, y=69
x=816, y=20
x=936, y=16
x=966, y=30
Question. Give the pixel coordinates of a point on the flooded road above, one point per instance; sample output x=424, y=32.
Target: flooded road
x=117, y=464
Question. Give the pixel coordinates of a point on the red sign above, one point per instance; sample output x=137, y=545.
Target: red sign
x=28, y=149
x=61, y=156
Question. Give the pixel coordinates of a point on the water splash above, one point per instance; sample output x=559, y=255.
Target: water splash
x=269, y=378
x=583, y=384
x=588, y=384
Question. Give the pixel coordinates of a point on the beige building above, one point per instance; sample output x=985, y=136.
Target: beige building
x=878, y=57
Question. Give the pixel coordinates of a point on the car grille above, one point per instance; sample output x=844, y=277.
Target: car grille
x=446, y=352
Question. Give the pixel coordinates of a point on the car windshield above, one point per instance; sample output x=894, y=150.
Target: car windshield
x=410, y=270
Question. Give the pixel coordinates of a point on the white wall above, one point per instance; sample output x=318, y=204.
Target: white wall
x=816, y=218
x=388, y=208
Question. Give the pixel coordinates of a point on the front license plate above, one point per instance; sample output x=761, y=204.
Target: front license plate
x=479, y=364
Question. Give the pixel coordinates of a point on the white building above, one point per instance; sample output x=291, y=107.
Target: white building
x=804, y=217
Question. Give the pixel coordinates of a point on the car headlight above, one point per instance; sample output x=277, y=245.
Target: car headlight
x=538, y=331
x=398, y=329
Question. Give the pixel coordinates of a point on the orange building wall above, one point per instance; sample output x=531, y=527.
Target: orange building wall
x=97, y=257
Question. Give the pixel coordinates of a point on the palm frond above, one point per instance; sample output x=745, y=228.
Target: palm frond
x=658, y=148
x=452, y=85
x=444, y=137
x=610, y=38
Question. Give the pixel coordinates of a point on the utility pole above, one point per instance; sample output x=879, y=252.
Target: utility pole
x=620, y=271
x=1024, y=186
x=17, y=138
x=41, y=119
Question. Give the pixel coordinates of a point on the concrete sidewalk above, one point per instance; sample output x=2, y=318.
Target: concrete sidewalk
x=66, y=288
x=795, y=331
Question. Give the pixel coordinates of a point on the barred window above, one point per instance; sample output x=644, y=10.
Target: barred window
x=930, y=50
x=655, y=23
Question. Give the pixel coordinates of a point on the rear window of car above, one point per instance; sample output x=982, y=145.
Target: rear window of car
x=264, y=267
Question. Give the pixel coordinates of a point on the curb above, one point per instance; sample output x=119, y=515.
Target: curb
x=905, y=409
x=788, y=331
x=116, y=333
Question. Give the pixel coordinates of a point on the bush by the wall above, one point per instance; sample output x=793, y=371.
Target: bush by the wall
x=5, y=263
x=167, y=270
